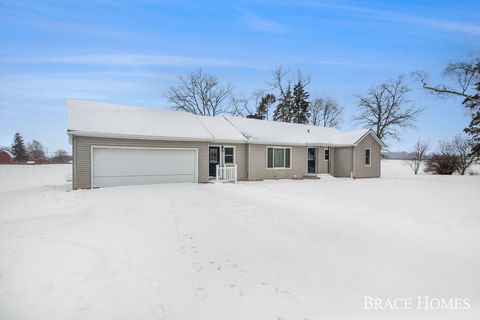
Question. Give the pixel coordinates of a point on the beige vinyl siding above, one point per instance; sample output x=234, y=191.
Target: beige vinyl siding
x=374, y=170
x=322, y=166
x=241, y=158
x=258, y=164
x=343, y=161
x=82, y=155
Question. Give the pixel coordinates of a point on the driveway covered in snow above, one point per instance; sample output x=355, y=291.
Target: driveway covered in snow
x=255, y=250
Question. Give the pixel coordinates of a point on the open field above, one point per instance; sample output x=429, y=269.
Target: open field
x=254, y=250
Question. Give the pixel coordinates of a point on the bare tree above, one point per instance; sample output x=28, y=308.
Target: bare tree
x=35, y=150
x=245, y=105
x=418, y=155
x=281, y=81
x=386, y=109
x=200, y=93
x=60, y=156
x=325, y=112
x=461, y=147
x=466, y=85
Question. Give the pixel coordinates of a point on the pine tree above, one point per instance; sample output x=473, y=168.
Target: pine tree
x=264, y=105
x=18, y=148
x=284, y=108
x=301, y=105
x=473, y=103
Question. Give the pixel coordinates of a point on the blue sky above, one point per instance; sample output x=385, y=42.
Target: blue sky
x=130, y=52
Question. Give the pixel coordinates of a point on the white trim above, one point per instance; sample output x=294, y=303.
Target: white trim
x=326, y=149
x=370, y=132
x=369, y=157
x=140, y=148
x=234, y=154
x=277, y=168
x=249, y=155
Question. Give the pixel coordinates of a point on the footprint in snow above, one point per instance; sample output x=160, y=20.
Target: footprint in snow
x=194, y=249
x=197, y=266
x=201, y=294
x=270, y=287
x=289, y=296
x=160, y=312
x=236, y=289
x=215, y=265
x=183, y=249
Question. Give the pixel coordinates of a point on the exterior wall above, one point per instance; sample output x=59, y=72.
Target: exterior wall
x=374, y=170
x=258, y=163
x=322, y=165
x=343, y=161
x=241, y=158
x=5, y=158
x=82, y=155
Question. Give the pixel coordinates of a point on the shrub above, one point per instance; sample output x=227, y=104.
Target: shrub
x=441, y=164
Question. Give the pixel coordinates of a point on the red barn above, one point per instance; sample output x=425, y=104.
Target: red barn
x=6, y=157
x=41, y=161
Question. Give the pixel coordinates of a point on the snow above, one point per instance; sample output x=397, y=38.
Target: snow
x=111, y=120
x=221, y=130
x=94, y=118
x=287, y=249
x=273, y=132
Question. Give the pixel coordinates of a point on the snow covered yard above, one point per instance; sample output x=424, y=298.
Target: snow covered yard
x=255, y=250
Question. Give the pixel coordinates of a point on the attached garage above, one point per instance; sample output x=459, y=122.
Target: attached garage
x=120, y=166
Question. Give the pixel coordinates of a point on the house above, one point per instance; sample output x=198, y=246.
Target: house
x=117, y=145
x=41, y=161
x=6, y=157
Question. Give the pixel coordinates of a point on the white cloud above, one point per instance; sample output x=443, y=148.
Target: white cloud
x=126, y=60
x=262, y=24
x=447, y=25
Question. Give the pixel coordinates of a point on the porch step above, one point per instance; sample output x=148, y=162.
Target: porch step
x=311, y=176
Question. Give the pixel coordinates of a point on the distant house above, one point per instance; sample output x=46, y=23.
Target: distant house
x=41, y=161
x=117, y=145
x=6, y=157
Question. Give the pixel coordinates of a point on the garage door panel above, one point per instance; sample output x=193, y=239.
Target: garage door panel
x=131, y=166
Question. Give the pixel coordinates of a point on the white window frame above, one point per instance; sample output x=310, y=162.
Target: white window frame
x=369, y=158
x=234, y=154
x=326, y=149
x=278, y=168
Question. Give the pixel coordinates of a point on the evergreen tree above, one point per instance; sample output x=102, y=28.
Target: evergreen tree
x=473, y=103
x=284, y=108
x=18, y=148
x=264, y=105
x=301, y=106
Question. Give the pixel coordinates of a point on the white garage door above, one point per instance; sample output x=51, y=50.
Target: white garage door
x=114, y=166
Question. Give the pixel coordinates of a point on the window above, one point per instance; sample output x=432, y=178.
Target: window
x=213, y=155
x=278, y=158
x=229, y=156
x=367, y=157
x=326, y=154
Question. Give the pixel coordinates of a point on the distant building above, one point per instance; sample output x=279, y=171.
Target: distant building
x=41, y=161
x=6, y=157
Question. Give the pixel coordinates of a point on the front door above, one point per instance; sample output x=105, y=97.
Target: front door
x=213, y=160
x=311, y=155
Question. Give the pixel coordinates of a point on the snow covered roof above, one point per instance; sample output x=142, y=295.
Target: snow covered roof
x=94, y=118
x=272, y=132
x=221, y=130
x=8, y=152
x=109, y=120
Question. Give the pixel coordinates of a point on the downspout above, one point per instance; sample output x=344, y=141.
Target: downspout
x=248, y=163
x=74, y=162
x=353, y=162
